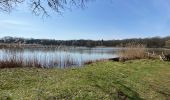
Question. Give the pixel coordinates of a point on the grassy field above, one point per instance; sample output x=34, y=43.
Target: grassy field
x=134, y=80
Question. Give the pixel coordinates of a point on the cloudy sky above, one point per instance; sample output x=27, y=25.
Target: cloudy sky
x=102, y=19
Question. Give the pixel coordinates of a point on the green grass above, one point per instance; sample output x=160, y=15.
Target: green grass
x=134, y=80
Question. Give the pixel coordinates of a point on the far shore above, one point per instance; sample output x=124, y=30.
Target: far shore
x=21, y=45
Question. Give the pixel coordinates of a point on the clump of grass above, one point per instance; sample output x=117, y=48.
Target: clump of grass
x=133, y=51
x=88, y=62
x=13, y=61
x=94, y=61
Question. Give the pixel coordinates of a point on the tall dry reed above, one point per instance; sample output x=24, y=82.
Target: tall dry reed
x=68, y=61
x=13, y=60
x=133, y=51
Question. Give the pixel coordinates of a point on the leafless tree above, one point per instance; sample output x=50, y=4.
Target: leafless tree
x=7, y=5
x=40, y=6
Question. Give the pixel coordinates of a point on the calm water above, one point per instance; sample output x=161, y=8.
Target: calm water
x=48, y=57
x=65, y=56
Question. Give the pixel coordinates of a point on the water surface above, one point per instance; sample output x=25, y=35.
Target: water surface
x=65, y=56
x=58, y=57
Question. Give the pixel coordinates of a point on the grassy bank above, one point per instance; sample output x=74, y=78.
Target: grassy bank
x=138, y=79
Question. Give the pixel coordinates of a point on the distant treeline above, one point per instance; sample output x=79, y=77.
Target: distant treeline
x=154, y=42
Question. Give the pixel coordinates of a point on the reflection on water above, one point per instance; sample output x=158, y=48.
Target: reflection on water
x=60, y=56
x=64, y=57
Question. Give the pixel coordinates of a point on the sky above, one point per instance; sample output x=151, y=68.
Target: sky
x=100, y=19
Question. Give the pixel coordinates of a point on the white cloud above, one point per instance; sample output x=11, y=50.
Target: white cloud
x=12, y=23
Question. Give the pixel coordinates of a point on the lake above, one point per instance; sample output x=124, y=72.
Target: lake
x=61, y=57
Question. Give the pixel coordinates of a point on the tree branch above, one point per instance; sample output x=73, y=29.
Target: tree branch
x=39, y=7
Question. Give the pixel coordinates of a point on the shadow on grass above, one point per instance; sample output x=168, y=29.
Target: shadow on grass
x=115, y=89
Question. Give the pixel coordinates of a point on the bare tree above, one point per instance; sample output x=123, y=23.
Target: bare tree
x=7, y=5
x=40, y=6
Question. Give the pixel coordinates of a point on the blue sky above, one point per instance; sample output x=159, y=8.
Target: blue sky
x=101, y=19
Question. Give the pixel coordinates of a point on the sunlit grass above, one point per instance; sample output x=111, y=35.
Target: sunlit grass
x=137, y=79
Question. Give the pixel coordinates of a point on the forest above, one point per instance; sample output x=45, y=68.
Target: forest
x=153, y=42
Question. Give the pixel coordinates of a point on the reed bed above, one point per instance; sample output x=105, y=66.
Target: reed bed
x=15, y=59
x=69, y=61
x=133, y=51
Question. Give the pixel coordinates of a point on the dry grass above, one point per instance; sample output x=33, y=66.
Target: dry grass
x=13, y=60
x=94, y=61
x=68, y=61
x=133, y=51
x=88, y=62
